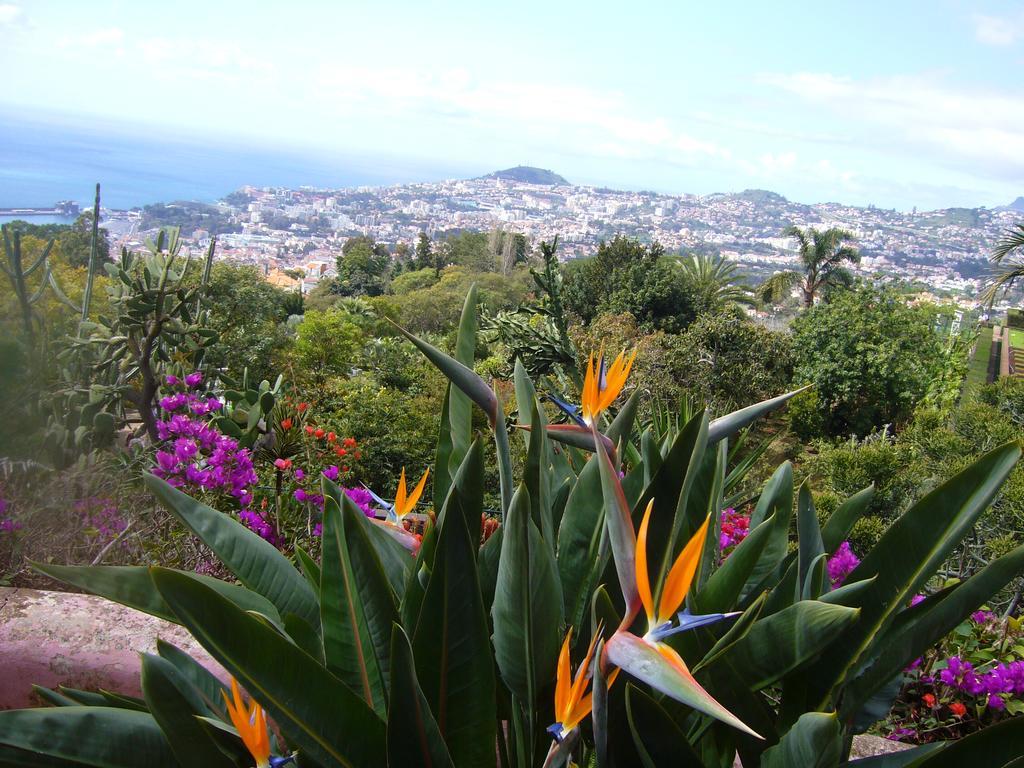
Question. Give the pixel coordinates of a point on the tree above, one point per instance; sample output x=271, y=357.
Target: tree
x=424, y=252
x=628, y=276
x=726, y=360
x=363, y=268
x=1008, y=261
x=326, y=346
x=246, y=311
x=871, y=357
x=822, y=254
x=713, y=283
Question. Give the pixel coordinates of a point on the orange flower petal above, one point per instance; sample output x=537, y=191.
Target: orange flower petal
x=400, y=509
x=563, y=684
x=677, y=584
x=643, y=585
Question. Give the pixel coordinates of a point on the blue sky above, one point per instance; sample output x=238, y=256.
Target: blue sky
x=899, y=104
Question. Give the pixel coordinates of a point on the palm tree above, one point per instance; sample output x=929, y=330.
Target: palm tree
x=1004, y=275
x=713, y=283
x=822, y=254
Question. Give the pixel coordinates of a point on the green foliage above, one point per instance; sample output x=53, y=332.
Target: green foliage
x=627, y=276
x=822, y=254
x=326, y=346
x=713, y=284
x=363, y=268
x=891, y=465
x=155, y=318
x=436, y=308
x=870, y=356
x=727, y=361
x=450, y=655
x=247, y=314
x=188, y=216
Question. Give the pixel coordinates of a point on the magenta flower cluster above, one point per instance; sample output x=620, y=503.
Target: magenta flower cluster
x=195, y=454
x=841, y=564
x=1001, y=679
x=102, y=515
x=735, y=527
x=7, y=524
x=189, y=400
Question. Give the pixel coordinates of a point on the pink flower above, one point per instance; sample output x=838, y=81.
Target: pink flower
x=194, y=379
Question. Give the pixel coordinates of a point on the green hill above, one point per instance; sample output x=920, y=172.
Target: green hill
x=529, y=175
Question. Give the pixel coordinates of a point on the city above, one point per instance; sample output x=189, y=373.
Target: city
x=284, y=229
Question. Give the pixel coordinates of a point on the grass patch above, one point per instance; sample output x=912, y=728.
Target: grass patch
x=977, y=371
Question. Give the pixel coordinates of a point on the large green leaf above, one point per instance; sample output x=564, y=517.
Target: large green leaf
x=815, y=741
x=618, y=522
x=174, y=705
x=787, y=640
x=896, y=648
x=997, y=745
x=413, y=735
x=839, y=523
x=722, y=590
x=775, y=502
x=11, y=757
x=579, y=541
x=394, y=558
x=811, y=551
x=658, y=739
x=207, y=687
x=908, y=554
x=105, y=737
x=639, y=659
x=316, y=711
x=537, y=478
x=460, y=413
x=581, y=530
x=131, y=585
x=452, y=649
x=357, y=606
x=731, y=423
x=527, y=609
x=256, y=562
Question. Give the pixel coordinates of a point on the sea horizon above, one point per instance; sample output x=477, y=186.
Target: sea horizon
x=46, y=158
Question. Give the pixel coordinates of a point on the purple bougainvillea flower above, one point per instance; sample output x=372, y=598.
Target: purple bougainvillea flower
x=171, y=380
x=841, y=564
x=193, y=380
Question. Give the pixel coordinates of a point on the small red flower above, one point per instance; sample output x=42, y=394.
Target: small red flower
x=348, y=442
x=358, y=455
x=286, y=424
x=344, y=469
x=958, y=709
x=928, y=699
x=309, y=430
x=331, y=437
x=342, y=452
x=283, y=464
x=319, y=433
x=301, y=407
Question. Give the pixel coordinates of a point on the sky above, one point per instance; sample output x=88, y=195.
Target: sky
x=896, y=104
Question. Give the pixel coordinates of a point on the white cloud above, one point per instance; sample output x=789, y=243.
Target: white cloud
x=976, y=129
x=998, y=30
x=11, y=15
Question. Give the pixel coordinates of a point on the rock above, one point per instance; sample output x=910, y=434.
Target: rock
x=79, y=641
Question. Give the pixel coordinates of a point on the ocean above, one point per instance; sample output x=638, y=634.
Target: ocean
x=46, y=158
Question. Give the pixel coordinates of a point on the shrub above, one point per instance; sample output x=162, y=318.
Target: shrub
x=400, y=652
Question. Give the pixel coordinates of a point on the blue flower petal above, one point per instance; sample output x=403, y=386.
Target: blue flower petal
x=570, y=410
x=688, y=621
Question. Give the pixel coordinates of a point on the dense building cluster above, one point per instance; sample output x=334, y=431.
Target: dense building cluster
x=286, y=229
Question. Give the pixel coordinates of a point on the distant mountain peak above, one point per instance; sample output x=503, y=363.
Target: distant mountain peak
x=1017, y=205
x=529, y=175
